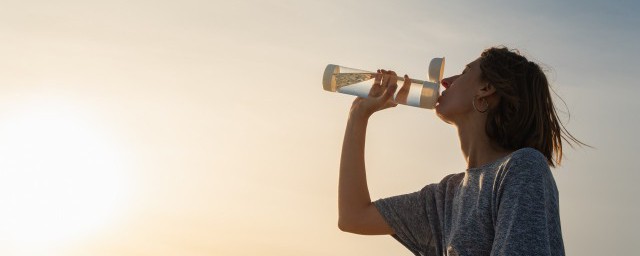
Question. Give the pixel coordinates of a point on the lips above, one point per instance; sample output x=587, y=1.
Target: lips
x=440, y=98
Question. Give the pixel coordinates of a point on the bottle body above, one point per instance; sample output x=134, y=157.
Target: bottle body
x=423, y=94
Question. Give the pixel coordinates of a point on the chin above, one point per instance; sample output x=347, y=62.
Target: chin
x=441, y=114
x=440, y=110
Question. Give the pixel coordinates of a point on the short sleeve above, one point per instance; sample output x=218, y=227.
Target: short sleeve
x=527, y=219
x=407, y=216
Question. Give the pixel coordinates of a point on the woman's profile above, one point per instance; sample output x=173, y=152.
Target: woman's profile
x=505, y=202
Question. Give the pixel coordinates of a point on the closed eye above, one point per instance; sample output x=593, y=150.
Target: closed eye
x=466, y=68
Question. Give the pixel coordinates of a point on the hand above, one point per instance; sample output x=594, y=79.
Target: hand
x=403, y=94
x=381, y=94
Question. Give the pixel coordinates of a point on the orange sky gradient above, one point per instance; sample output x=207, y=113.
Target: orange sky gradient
x=201, y=128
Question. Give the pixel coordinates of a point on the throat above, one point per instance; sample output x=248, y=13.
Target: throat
x=477, y=148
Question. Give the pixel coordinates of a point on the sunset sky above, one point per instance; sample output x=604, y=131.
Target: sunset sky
x=201, y=128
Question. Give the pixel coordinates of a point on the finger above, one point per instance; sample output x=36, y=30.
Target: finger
x=393, y=79
x=376, y=88
x=377, y=78
x=385, y=78
x=403, y=93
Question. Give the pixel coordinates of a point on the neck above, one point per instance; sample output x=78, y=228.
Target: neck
x=476, y=145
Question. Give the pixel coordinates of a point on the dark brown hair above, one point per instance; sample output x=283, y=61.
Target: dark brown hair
x=524, y=115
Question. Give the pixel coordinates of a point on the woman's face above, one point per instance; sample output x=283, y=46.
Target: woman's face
x=455, y=102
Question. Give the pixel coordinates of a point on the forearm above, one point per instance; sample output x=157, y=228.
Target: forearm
x=356, y=212
x=353, y=193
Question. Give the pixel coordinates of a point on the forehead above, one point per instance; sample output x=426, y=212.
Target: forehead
x=474, y=63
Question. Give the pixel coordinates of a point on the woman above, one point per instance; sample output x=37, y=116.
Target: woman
x=505, y=202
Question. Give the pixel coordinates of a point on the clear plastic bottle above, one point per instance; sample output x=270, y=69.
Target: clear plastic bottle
x=423, y=94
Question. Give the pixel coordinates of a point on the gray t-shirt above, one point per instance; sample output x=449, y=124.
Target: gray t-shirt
x=507, y=207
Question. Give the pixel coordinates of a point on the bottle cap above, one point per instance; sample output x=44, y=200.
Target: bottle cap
x=431, y=89
x=436, y=69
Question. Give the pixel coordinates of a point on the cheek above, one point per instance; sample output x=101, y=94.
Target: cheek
x=453, y=106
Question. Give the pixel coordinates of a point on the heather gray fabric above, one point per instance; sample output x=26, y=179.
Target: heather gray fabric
x=508, y=207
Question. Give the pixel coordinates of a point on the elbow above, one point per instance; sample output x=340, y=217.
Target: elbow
x=356, y=218
x=353, y=219
x=345, y=225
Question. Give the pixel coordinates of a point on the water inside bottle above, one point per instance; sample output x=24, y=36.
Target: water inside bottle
x=359, y=84
x=346, y=79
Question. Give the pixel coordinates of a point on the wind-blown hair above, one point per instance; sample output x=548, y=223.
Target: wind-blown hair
x=524, y=115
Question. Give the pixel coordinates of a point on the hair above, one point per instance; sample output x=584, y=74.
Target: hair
x=525, y=115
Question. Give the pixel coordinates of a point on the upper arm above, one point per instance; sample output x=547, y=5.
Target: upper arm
x=409, y=217
x=368, y=221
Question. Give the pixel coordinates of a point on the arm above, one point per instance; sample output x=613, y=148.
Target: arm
x=357, y=214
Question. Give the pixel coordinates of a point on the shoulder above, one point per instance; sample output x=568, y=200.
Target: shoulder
x=443, y=188
x=451, y=181
x=525, y=164
x=528, y=155
x=527, y=158
x=525, y=178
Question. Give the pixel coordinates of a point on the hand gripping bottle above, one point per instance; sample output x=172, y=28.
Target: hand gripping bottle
x=423, y=94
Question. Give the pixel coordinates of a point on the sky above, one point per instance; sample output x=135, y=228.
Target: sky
x=201, y=127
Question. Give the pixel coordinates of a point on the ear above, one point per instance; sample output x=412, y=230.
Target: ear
x=486, y=90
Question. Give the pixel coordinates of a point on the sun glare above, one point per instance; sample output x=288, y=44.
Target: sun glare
x=61, y=178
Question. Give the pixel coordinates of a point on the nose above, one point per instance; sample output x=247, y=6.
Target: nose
x=448, y=81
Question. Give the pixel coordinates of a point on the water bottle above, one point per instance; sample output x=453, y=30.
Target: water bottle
x=423, y=94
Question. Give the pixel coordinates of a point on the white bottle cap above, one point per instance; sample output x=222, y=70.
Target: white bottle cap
x=436, y=69
x=431, y=89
